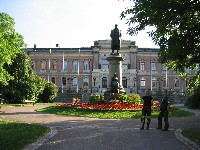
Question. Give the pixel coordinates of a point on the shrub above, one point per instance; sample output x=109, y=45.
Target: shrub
x=194, y=99
x=49, y=93
x=134, y=99
x=96, y=99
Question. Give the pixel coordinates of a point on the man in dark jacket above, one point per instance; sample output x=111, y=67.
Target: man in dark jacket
x=147, y=102
x=164, y=110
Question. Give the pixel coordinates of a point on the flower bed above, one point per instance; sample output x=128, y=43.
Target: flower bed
x=115, y=106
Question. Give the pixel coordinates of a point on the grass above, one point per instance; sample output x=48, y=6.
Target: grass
x=15, y=136
x=108, y=114
x=193, y=134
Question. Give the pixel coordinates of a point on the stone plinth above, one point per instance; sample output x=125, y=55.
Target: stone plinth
x=115, y=66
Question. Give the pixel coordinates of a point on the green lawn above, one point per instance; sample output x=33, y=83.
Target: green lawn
x=118, y=114
x=15, y=136
x=193, y=134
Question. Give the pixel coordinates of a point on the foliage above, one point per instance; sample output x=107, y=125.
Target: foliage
x=49, y=93
x=25, y=84
x=18, y=135
x=193, y=100
x=134, y=99
x=96, y=99
x=10, y=45
x=193, y=134
x=174, y=26
x=121, y=98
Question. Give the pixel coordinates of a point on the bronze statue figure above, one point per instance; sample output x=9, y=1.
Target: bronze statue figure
x=115, y=42
x=114, y=84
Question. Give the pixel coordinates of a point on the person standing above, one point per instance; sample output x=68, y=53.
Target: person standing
x=164, y=110
x=147, y=102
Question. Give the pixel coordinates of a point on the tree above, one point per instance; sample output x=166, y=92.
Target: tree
x=175, y=29
x=10, y=45
x=25, y=83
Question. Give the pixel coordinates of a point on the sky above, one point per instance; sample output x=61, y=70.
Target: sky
x=70, y=23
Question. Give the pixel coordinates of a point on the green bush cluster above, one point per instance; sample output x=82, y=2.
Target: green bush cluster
x=122, y=98
x=96, y=99
x=194, y=99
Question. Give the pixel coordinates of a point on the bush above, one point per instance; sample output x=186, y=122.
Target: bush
x=194, y=99
x=49, y=93
x=122, y=98
x=96, y=99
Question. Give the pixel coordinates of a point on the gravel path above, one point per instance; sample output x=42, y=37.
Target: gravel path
x=76, y=133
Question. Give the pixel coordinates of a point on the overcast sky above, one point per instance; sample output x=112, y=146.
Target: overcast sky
x=70, y=23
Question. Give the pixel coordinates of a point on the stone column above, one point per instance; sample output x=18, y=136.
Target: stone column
x=115, y=66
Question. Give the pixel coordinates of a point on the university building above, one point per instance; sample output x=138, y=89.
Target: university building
x=86, y=69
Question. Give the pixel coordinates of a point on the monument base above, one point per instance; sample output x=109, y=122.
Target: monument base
x=108, y=96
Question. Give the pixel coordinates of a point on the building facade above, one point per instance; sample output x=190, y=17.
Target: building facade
x=87, y=68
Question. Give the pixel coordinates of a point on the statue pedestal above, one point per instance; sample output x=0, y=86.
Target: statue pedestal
x=115, y=66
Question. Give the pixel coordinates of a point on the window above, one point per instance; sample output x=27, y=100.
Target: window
x=54, y=64
x=164, y=68
x=63, y=81
x=75, y=65
x=164, y=82
x=104, y=82
x=176, y=82
x=142, y=82
x=53, y=80
x=142, y=65
x=124, y=82
x=85, y=81
x=75, y=81
x=153, y=66
x=65, y=65
x=43, y=65
x=86, y=65
x=104, y=63
x=154, y=82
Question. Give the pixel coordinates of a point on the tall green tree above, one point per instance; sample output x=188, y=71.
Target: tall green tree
x=26, y=84
x=10, y=45
x=175, y=28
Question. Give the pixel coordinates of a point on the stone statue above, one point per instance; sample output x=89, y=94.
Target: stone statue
x=114, y=84
x=115, y=42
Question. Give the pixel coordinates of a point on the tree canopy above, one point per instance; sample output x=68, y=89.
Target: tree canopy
x=10, y=44
x=176, y=31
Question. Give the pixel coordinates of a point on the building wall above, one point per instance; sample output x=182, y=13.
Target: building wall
x=96, y=55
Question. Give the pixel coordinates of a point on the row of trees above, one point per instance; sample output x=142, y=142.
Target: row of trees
x=173, y=26
x=18, y=81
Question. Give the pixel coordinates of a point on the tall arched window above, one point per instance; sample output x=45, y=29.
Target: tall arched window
x=75, y=65
x=142, y=82
x=75, y=81
x=124, y=82
x=53, y=80
x=154, y=82
x=104, y=82
x=176, y=82
x=164, y=82
x=86, y=65
x=63, y=81
x=43, y=65
x=85, y=81
x=104, y=62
